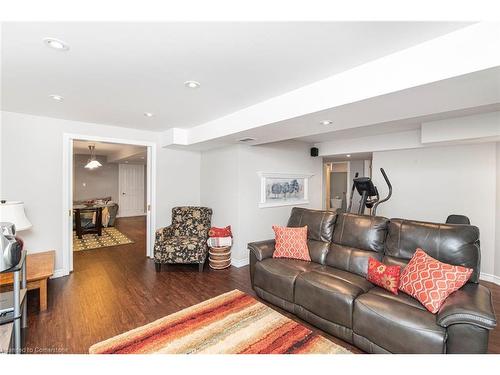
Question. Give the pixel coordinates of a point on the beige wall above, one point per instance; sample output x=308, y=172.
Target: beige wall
x=433, y=182
x=32, y=150
x=231, y=186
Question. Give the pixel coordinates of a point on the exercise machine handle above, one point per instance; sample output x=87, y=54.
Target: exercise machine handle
x=374, y=212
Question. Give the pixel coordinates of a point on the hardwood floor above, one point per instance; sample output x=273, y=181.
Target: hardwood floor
x=115, y=289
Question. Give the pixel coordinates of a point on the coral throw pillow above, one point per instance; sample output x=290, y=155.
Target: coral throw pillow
x=291, y=243
x=220, y=232
x=431, y=281
x=384, y=276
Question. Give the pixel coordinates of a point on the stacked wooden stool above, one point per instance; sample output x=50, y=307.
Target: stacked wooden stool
x=219, y=243
x=219, y=257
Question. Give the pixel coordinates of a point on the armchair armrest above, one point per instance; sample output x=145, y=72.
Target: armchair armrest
x=262, y=249
x=470, y=304
x=163, y=232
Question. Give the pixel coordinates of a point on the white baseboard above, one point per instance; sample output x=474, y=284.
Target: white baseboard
x=491, y=278
x=141, y=214
x=59, y=273
x=239, y=262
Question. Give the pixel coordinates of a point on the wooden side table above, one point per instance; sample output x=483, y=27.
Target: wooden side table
x=78, y=220
x=219, y=257
x=39, y=267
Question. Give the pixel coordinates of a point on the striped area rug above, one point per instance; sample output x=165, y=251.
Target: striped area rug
x=232, y=323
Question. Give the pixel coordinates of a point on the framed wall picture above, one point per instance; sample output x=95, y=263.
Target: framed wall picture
x=283, y=189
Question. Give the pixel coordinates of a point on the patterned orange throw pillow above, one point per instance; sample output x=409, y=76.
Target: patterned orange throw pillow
x=220, y=232
x=430, y=281
x=291, y=243
x=384, y=276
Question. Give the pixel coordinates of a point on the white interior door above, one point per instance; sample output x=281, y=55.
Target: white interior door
x=131, y=185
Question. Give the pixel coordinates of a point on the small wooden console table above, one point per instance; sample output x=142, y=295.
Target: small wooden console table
x=39, y=267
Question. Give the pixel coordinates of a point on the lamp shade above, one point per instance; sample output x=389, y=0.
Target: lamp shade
x=13, y=212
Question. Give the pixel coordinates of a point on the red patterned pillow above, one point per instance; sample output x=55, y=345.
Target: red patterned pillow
x=220, y=232
x=431, y=281
x=291, y=243
x=383, y=275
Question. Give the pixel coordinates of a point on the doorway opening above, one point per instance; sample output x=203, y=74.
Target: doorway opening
x=339, y=171
x=108, y=196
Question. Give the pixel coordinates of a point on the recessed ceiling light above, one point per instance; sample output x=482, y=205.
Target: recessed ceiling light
x=192, y=84
x=148, y=114
x=57, y=98
x=326, y=122
x=56, y=44
x=348, y=155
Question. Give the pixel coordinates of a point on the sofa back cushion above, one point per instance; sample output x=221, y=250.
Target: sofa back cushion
x=455, y=244
x=319, y=230
x=356, y=238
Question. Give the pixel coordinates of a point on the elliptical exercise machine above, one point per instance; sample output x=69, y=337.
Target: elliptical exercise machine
x=369, y=193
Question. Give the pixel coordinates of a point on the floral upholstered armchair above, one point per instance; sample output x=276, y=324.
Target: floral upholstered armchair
x=185, y=241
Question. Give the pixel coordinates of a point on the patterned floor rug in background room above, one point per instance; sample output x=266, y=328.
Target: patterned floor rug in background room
x=232, y=323
x=110, y=237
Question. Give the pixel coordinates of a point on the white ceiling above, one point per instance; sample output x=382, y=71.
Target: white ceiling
x=391, y=113
x=114, y=72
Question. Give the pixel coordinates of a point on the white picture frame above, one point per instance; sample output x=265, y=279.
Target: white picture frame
x=293, y=189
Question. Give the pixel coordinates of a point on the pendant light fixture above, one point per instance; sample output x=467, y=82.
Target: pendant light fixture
x=92, y=162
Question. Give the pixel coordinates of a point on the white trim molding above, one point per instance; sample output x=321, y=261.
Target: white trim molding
x=60, y=272
x=240, y=262
x=490, y=278
x=67, y=196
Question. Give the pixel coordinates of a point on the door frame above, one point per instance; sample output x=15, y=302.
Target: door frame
x=327, y=171
x=67, y=193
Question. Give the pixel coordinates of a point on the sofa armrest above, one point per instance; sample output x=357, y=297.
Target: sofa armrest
x=262, y=249
x=470, y=304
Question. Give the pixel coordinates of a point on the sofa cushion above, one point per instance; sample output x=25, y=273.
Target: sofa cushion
x=397, y=323
x=401, y=298
x=350, y=259
x=348, y=277
x=181, y=249
x=431, y=281
x=319, y=223
x=361, y=232
x=318, y=250
x=291, y=243
x=449, y=243
x=277, y=276
x=384, y=275
x=319, y=230
x=330, y=293
x=357, y=238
